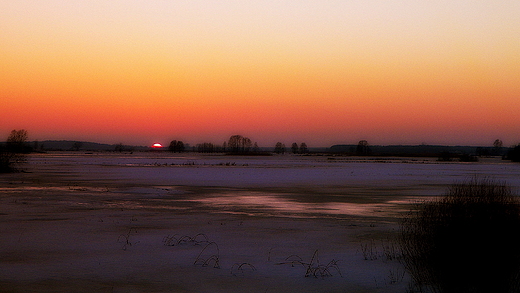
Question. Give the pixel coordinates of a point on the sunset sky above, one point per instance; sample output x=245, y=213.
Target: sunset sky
x=320, y=72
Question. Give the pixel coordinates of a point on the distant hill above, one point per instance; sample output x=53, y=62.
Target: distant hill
x=71, y=145
x=418, y=150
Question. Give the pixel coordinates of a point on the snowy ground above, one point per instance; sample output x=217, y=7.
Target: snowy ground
x=129, y=222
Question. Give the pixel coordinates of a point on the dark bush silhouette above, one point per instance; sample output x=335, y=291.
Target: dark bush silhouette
x=6, y=161
x=445, y=156
x=468, y=158
x=13, y=153
x=76, y=146
x=514, y=154
x=119, y=147
x=467, y=241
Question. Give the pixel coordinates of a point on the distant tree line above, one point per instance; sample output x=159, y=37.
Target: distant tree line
x=443, y=153
x=237, y=144
x=302, y=149
x=13, y=149
x=208, y=147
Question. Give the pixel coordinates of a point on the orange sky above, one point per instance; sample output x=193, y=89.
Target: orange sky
x=138, y=72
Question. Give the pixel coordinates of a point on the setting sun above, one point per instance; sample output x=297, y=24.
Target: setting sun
x=157, y=145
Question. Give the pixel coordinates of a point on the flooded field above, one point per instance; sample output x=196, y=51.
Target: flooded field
x=101, y=222
x=288, y=185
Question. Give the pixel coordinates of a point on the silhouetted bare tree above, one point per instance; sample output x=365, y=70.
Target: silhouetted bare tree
x=279, y=148
x=497, y=147
x=180, y=146
x=256, y=148
x=303, y=148
x=16, y=141
x=239, y=144
x=206, y=147
x=294, y=148
x=12, y=154
x=362, y=148
x=173, y=146
x=176, y=146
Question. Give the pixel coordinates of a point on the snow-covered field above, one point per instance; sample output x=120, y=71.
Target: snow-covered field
x=129, y=222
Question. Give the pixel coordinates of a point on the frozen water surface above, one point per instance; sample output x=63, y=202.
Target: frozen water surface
x=96, y=222
x=289, y=184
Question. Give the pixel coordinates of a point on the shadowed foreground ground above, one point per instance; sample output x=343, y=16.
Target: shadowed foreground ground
x=70, y=227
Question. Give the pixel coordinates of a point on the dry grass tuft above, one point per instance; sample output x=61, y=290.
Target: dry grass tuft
x=466, y=241
x=314, y=267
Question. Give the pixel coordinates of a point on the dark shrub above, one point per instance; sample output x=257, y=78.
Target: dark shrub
x=11, y=162
x=5, y=161
x=514, y=154
x=467, y=241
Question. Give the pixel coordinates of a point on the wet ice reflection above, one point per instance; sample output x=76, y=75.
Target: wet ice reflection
x=279, y=205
